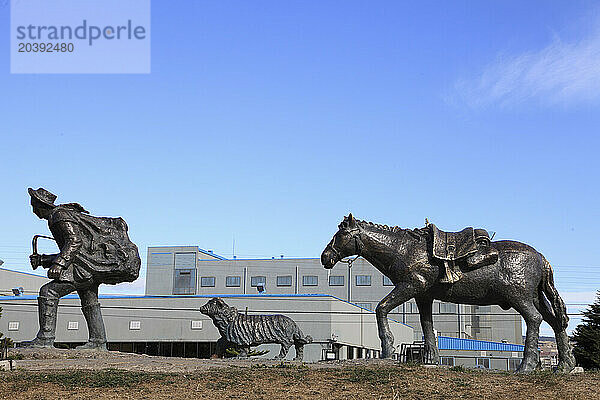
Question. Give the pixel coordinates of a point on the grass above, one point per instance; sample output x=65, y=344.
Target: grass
x=371, y=376
x=107, y=378
x=298, y=381
x=222, y=378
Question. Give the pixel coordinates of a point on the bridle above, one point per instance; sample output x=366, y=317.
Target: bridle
x=357, y=247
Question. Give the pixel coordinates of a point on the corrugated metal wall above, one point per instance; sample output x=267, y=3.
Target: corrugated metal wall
x=450, y=343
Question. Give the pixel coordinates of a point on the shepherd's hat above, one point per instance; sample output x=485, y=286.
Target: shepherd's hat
x=43, y=196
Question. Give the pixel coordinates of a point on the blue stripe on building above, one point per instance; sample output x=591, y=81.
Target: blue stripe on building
x=451, y=343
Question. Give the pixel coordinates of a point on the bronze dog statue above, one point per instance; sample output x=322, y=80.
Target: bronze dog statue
x=242, y=331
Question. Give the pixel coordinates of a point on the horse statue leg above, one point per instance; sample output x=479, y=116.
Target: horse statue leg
x=554, y=312
x=566, y=360
x=397, y=296
x=425, y=306
x=533, y=319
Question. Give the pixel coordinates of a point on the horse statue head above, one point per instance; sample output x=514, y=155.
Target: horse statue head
x=345, y=243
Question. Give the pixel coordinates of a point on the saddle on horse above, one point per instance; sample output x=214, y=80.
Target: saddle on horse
x=471, y=246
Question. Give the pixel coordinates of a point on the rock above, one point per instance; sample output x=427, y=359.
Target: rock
x=6, y=365
x=576, y=370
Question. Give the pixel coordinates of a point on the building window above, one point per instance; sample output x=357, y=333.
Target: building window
x=447, y=308
x=310, y=280
x=258, y=280
x=185, y=281
x=483, y=363
x=196, y=325
x=284, y=280
x=233, y=281
x=185, y=260
x=367, y=306
x=135, y=325
x=363, y=280
x=387, y=281
x=513, y=364
x=448, y=361
x=207, y=281
x=336, y=280
x=411, y=308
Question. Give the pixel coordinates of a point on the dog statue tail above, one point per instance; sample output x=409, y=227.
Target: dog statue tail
x=299, y=337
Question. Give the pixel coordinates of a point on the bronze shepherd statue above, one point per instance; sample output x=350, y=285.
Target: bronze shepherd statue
x=242, y=331
x=93, y=250
x=506, y=273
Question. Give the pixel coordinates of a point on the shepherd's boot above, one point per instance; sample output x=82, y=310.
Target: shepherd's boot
x=47, y=310
x=97, y=334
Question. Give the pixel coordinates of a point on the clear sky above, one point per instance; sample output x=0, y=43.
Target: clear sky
x=268, y=121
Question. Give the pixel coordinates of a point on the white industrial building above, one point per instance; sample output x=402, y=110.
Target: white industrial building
x=334, y=307
x=15, y=282
x=188, y=270
x=173, y=326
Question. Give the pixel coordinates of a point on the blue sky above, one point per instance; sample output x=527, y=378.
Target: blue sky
x=269, y=121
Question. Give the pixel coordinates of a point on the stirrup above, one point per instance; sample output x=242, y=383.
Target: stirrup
x=452, y=274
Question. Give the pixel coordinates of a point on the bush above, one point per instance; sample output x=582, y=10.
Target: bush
x=586, y=337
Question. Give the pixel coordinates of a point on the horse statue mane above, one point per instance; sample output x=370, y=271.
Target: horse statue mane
x=417, y=233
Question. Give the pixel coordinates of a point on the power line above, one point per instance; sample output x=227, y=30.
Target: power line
x=258, y=311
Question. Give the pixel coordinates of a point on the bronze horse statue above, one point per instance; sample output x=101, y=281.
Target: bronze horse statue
x=521, y=278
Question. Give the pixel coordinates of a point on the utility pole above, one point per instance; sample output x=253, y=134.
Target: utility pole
x=349, y=282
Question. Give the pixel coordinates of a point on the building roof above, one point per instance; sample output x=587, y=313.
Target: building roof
x=220, y=257
x=210, y=253
x=265, y=259
x=206, y=252
x=451, y=343
x=193, y=296
x=21, y=272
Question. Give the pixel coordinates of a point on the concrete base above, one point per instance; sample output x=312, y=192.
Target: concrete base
x=7, y=365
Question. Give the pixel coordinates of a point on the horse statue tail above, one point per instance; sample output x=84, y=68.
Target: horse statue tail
x=558, y=306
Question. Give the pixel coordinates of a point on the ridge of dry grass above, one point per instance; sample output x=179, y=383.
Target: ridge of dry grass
x=261, y=381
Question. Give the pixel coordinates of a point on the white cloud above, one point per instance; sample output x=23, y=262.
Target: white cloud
x=561, y=73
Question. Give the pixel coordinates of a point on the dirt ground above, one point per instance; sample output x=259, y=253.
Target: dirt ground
x=68, y=374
